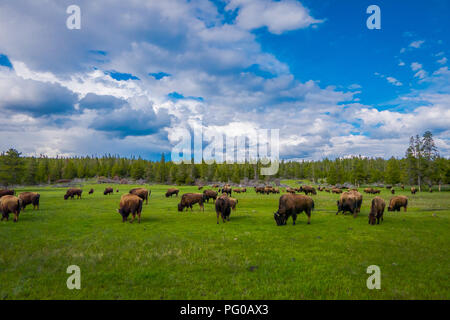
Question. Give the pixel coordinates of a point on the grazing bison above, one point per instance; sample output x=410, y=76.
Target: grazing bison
x=388, y=187
x=348, y=201
x=290, y=190
x=117, y=190
x=244, y=190
x=10, y=204
x=29, y=198
x=226, y=190
x=209, y=194
x=91, y=191
x=397, y=202
x=108, y=191
x=358, y=200
x=141, y=193
x=189, y=199
x=237, y=190
x=259, y=190
x=6, y=192
x=336, y=190
x=233, y=203
x=72, y=192
x=172, y=191
x=223, y=208
x=308, y=190
x=376, y=210
x=413, y=190
x=200, y=187
x=215, y=186
x=291, y=205
x=392, y=191
x=130, y=204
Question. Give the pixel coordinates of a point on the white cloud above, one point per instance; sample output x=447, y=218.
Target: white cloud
x=417, y=44
x=394, y=81
x=416, y=66
x=277, y=16
x=442, y=61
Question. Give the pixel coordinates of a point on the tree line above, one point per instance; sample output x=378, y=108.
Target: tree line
x=422, y=165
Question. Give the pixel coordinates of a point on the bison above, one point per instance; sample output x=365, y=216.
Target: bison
x=226, y=190
x=108, y=191
x=141, y=193
x=10, y=204
x=91, y=191
x=397, y=202
x=30, y=198
x=348, y=201
x=209, y=194
x=291, y=205
x=72, y=192
x=223, y=208
x=308, y=190
x=6, y=192
x=189, y=199
x=376, y=210
x=358, y=200
x=130, y=204
x=336, y=190
x=413, y=190
x=233, y=203
x=392, y=191
x=172, y=191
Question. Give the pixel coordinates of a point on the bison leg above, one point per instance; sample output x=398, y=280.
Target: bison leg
x=217, y=217
x=134, y=217
x=294, y=217
x=405, y=209
x=308, y=213
x=16, y=216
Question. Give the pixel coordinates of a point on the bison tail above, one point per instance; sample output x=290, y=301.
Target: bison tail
x=140, y=205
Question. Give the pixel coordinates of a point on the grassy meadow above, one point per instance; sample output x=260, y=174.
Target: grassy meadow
x=173, y=255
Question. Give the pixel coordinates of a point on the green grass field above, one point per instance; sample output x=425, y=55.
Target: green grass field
x=173, y=255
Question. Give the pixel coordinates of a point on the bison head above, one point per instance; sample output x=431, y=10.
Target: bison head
x=279, y=219
x=66, y=196
x=180, y=207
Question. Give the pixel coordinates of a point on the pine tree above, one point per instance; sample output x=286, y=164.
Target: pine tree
x=11, y=167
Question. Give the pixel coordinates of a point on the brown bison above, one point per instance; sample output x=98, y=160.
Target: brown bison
x=91, y=191
x=397, y=202
x=141, y=193
x=72, y=192
x=413, y=190
x=336, y=190
x=209, y=194
x=30, y=198
x=108, y=191
x=223, y=208
x=10, y=204
x=376, y=210
x=200, y=187
x=237, y=190
x=6, y=192
x=348, y=201
x=244, y=190
x=189, y=199
x=291, y=205
x=130, y=204
x=290, y=190
x=172, y=191
x=226, y=190
x=259, y=190
x=392, y=191
x=358, y=200
x=308, y=190
x=233, y=203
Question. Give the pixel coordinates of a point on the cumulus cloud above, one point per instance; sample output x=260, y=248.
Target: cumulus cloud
x=277, y=16
x=416, y=44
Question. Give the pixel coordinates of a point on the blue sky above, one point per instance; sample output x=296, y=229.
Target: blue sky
x=136, y=74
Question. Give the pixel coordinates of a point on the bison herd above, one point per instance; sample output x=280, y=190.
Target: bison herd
x=290, y=204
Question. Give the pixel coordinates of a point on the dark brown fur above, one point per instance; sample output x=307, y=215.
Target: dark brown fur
x=209, y=194
x=72, y=192
x=397, y=202
x=10, y=204
x=291, y=205
x=130, y=204
x=189, y=199
x=108, y=191
x=29, y=198
x=376, y=210
x=172, y=191
x=223, y=208
x=6, y=192
x=141, y=193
